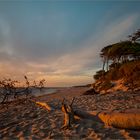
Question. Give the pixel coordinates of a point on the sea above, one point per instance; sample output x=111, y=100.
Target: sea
x=35, y=92
x=44, y=91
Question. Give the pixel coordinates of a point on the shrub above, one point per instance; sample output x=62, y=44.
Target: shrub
x=99, y=74
x=105, y=85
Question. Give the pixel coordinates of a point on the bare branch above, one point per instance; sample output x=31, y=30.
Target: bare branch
x=72, y=101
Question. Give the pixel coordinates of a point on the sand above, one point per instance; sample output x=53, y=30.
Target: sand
x=30, y=121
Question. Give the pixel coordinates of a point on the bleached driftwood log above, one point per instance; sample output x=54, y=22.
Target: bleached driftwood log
x=42, y=104
x=68, y=114
x=121, y=120
x=45, y=105
x=126, y=120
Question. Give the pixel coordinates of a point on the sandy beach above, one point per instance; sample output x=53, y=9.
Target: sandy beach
x=30, y=121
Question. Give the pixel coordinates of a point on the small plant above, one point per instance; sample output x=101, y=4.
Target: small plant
x=40, y=85
x=9, y=89
x=99, y=75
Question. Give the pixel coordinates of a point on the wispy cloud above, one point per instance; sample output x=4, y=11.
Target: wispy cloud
x=86, y=58
x=54, y=50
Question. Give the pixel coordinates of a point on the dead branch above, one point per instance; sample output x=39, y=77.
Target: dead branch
x=87, y=115
x=72, y=101
x=44, y=105
x=68, y=114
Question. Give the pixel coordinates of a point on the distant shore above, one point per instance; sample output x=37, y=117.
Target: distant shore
x=44, y=91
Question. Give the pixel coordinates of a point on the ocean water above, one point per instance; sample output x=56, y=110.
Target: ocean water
x=37, y=92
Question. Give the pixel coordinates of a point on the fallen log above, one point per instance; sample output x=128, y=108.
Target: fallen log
x=125, y=120
x=121, y=120
x=87, y=115
x=42, y=104
x=68, y=114
x=45, y=105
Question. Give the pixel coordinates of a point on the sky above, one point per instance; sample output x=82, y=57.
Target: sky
x=61, y=40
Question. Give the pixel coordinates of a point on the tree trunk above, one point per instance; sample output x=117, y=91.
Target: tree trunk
x=107, y=64
x=104, y=61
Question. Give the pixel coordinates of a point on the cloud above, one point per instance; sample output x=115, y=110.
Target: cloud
x=87, y=58
x=61, y=66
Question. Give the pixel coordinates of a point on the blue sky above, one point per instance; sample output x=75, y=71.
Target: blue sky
x=61, y=40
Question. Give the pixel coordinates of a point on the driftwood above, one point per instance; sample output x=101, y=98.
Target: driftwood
x=121, y=120
x=87, y=115
x=68, y=114
x=71, y=115
x=45, y=105
x=125, y=120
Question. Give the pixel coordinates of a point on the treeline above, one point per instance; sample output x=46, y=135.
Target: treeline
x=9, y=89
x=121, y=60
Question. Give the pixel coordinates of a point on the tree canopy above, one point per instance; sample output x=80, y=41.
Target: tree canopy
x=122, y=51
